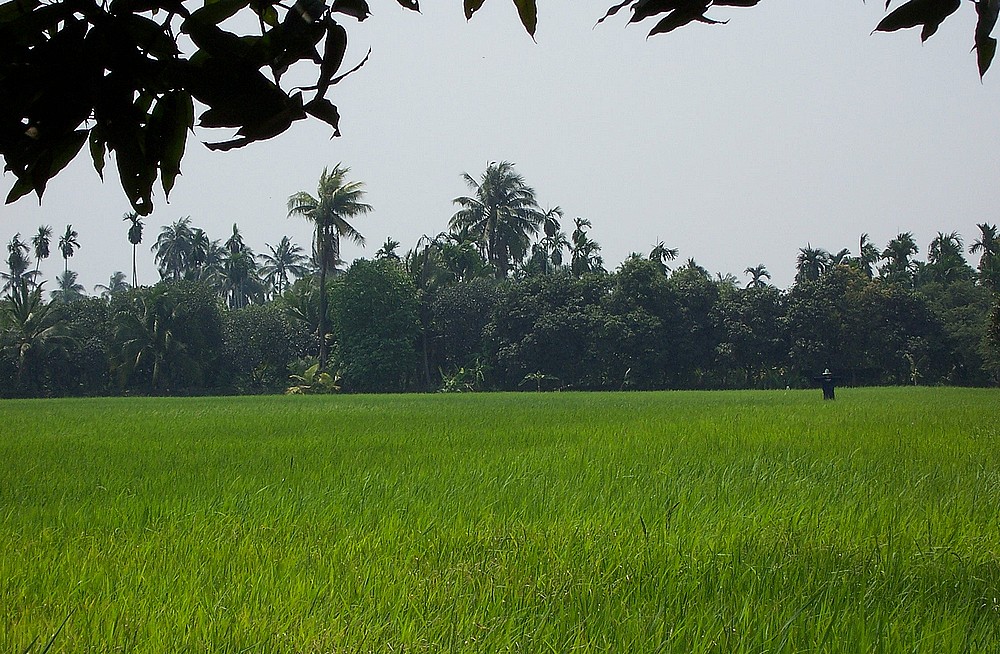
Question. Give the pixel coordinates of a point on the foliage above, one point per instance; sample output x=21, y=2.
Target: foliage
x=135, y=238
x=116, y=284
x=259, y=342
x=67, y=288
x=185, y=252
x=927, y=13
x=438, y=317
x=753, y=340
x=459, y=315
x=40, y=243
x=241, y=284
x=810, y=264
x=757, y=274
x=337, y=201
x=313, y=381
x=375, y=323
x=283, y=265
x=32, y=333
x=17, y=264
x=82, y=366
x=300, y=303
x=584, y=249
x=501, y=215
x=563, y=326
x=988, y=244
x=68, y=244
x=464, y=380
x=962, y=309
x=120, y=77
x=992, y=343
x=868, y=330
x=168, y=337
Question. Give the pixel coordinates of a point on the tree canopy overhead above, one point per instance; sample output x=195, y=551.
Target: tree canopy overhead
x=128, y=76
x=123, y=77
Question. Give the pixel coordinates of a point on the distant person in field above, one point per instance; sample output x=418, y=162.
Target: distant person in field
x=826, y=381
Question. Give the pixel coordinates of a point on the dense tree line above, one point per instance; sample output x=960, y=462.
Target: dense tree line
x=505, y=299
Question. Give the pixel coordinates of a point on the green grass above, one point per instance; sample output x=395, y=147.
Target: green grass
x=674, y=522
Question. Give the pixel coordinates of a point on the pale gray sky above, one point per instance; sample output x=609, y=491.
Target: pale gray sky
x=737, y=144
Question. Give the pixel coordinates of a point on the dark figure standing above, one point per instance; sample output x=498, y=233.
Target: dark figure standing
x=826, y=380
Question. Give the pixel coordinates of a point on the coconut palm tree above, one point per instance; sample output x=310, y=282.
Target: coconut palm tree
x=40, y=242
x=337, y=201
x=67, y=288
x=460, y=256
x=68, y=244
x=206, y=259
x=502, y=214
x=172, y=250
x=757, y=275
x=135, y=238
x=388, y=250
x=33, y=329
x=811, y=263
x=145, y=335
x=240, y=283
x=117, y=284
x=285, y=260
x=425, y=263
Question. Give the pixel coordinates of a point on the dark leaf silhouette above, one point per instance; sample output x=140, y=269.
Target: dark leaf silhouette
x=356, y=8
x=611, y=12
x=334, y=50
x=472, y=6
x=114, y=74
x=176, y=111
x=528, y=13
x=986, y=45
x=326, y=111
x=648, y=8
x=679, y=18
x=929, y=13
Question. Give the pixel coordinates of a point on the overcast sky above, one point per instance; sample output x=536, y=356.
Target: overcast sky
x=737, y=144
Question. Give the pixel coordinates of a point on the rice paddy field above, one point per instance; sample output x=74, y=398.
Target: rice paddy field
x=536, y=522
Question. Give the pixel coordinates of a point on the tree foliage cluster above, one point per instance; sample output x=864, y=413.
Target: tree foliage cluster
x=635, y=328
x=127, y=77
x=503, y=300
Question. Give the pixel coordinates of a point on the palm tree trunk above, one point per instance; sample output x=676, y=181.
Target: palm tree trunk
x=322, y=305
x=135, y=282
